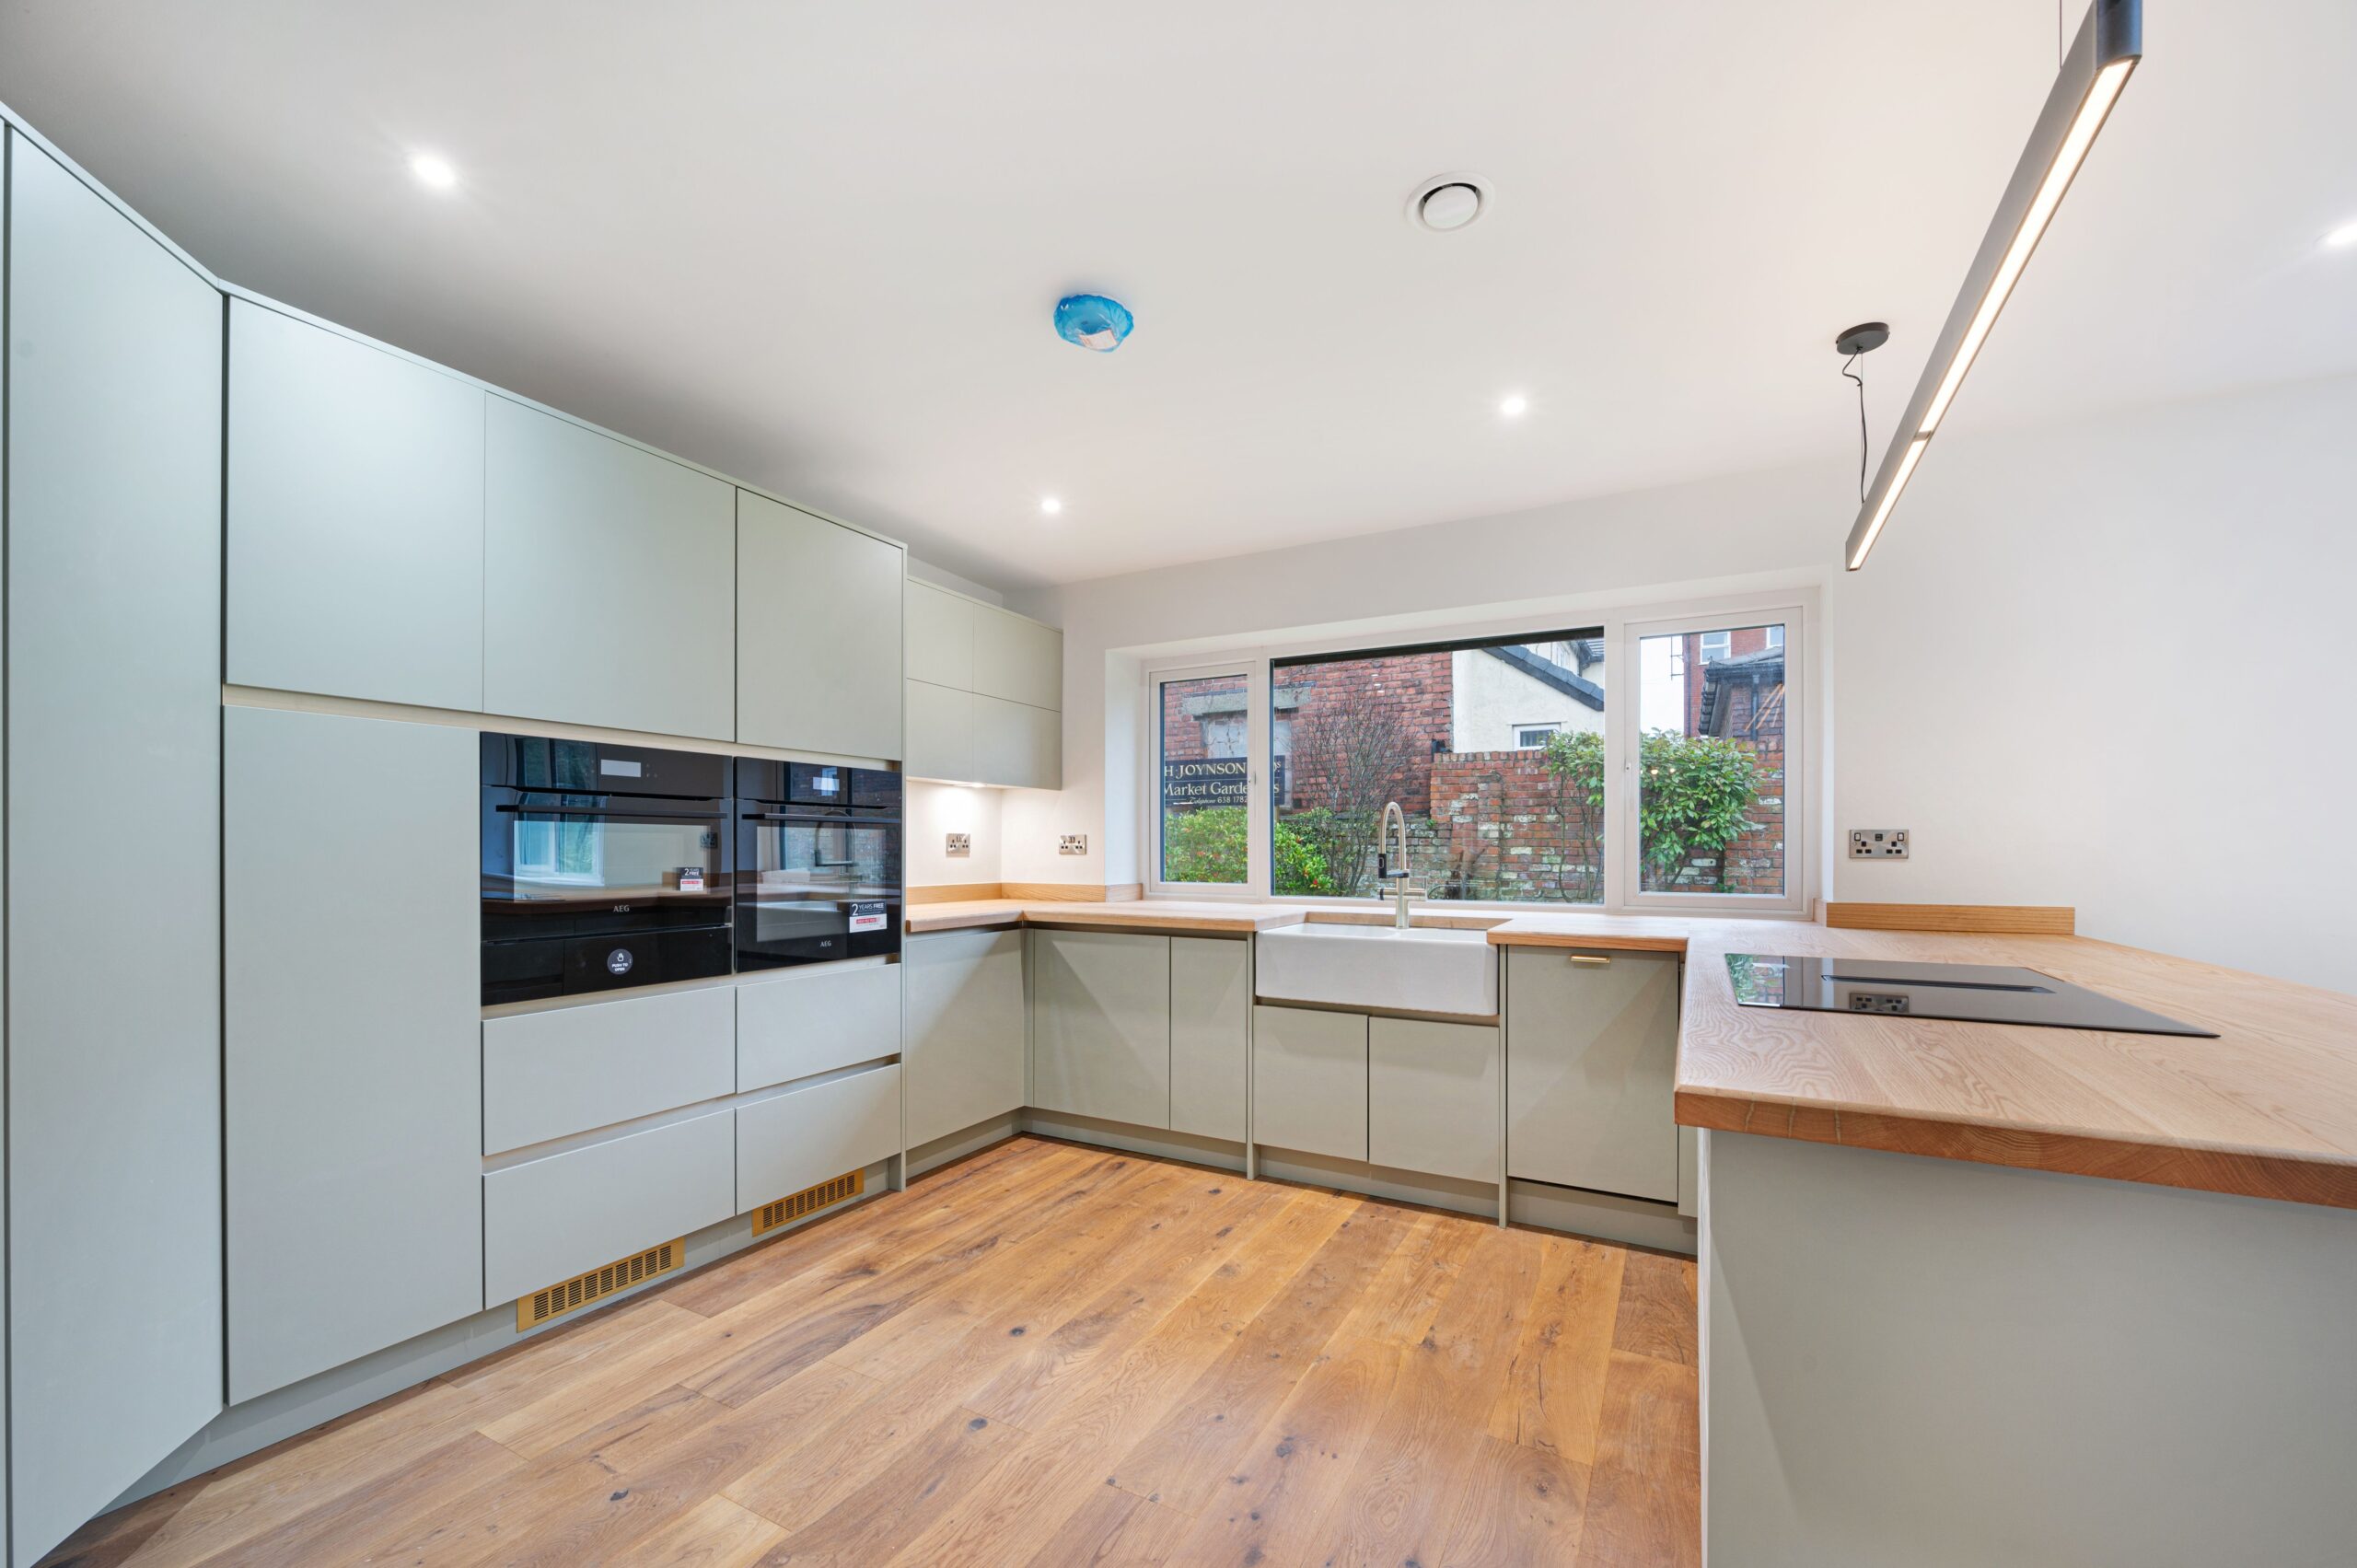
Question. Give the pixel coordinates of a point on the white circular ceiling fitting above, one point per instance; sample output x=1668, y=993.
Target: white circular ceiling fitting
x=1448, y=203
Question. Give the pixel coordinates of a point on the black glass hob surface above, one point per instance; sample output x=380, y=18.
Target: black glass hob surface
x=1985, y=994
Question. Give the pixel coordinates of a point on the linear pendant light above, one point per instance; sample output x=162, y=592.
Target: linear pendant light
x=2110, y=41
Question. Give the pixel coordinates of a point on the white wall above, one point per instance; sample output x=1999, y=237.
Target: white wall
x=935, y=810
x=2092, y=665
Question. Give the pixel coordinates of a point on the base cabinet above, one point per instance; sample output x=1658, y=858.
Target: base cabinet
x=967, y=1031
x=1309, y=1081
x=1433, y=1096
x=548, y=1219
x=1210, y=1047
x=563, y=1071
x=801, y=1136
x=1591, y=1070
x=1101, y=1025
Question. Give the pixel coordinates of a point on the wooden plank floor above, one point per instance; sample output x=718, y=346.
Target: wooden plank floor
x=1043, y=1355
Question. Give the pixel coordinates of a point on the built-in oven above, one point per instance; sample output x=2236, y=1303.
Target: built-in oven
x=818, y=862
x=603, y=866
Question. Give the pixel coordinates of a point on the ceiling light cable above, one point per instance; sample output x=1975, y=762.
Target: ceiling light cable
x=1862, y=422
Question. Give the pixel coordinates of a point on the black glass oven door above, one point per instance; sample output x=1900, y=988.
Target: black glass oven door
x=572, y=865
x=812, y=888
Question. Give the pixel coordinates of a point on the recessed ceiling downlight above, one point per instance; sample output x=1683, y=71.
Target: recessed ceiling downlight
x=1448, y=203
x=433, y=171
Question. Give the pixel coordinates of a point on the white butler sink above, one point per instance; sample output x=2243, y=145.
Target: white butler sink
x=1425, y=969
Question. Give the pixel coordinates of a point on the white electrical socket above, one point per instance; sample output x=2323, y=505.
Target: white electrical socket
x=1877, y=843
x=961, y=844
x=1071, y=843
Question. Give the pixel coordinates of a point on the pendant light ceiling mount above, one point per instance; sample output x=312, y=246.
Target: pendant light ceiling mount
x=1864, y=338
x=2096, y=66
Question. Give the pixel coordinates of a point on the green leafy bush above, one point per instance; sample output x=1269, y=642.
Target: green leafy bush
x=1698, y=791
x=1209, y=844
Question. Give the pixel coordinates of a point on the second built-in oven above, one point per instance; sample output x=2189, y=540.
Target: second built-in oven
x=818, y=862
x=604, y=866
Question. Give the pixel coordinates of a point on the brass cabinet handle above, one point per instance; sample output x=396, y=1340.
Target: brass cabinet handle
x=1587, y=958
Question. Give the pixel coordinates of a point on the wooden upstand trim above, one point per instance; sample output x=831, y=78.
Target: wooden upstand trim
x=2021, y=920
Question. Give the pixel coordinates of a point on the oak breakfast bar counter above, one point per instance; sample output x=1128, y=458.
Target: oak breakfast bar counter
x=2104, y=1277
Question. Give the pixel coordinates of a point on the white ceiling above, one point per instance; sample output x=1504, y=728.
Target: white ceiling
x=817, y=244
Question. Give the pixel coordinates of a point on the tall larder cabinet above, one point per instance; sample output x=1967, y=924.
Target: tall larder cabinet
x=112, y=850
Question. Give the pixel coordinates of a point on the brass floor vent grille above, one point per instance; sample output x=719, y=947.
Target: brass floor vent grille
x=597, y=1283
x=851, y=1184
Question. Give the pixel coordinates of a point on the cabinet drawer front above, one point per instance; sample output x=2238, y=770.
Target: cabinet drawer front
x=814, y=1020
x=1591, y=1069
x=804, y=1136
x=548, y=1219
x=1309, y=1081
x=1210, y=1035
x=967, y=1030
x=1433, y=1096
x=571, y=1070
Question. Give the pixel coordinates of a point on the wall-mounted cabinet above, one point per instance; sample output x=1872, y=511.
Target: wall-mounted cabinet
x=1591, y=1070
x=985, y=692
x=967, y=1031
x=819, y=609
x=355, y=506
x=608, y=581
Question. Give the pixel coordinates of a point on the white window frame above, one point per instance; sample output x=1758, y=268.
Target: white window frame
x=1622, y=730
x=1541, y=727
x=1255, y=676
x=1794, y=608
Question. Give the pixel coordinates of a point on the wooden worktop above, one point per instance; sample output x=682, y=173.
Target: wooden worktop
x=2268, y=1110
x=1129, y=914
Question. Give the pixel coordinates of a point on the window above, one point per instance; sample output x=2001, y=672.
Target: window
x=1203, y=789
x=1711, y=717
x=1494, y=749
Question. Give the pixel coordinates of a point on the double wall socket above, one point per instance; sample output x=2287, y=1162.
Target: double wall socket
x=1071, y=843
x=959, y=843
x=1877, y=843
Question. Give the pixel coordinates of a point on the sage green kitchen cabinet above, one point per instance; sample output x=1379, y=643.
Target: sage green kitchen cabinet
x=583, y=1205
x=967, y=1029
x=608, y=574
x=940, y=637
x=1591, y=1067
x=355, y=504
x=1211, y=1047
x=791, y=1139
x=113, y=721
x=985, y=692
x=1100, y=1027
x=1309, y=1080
x=1017, y=659
x=1018, y=745
x=553, y=1073
x=819, y=611
x=941, y=734
x=812, y=1018
x=354, y=1074
x=1433, y=1096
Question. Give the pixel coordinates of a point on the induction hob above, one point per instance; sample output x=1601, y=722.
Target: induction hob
x=1971, y=993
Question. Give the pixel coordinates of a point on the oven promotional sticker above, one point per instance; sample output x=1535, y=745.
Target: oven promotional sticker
x=620, y=960
x=867, y=917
